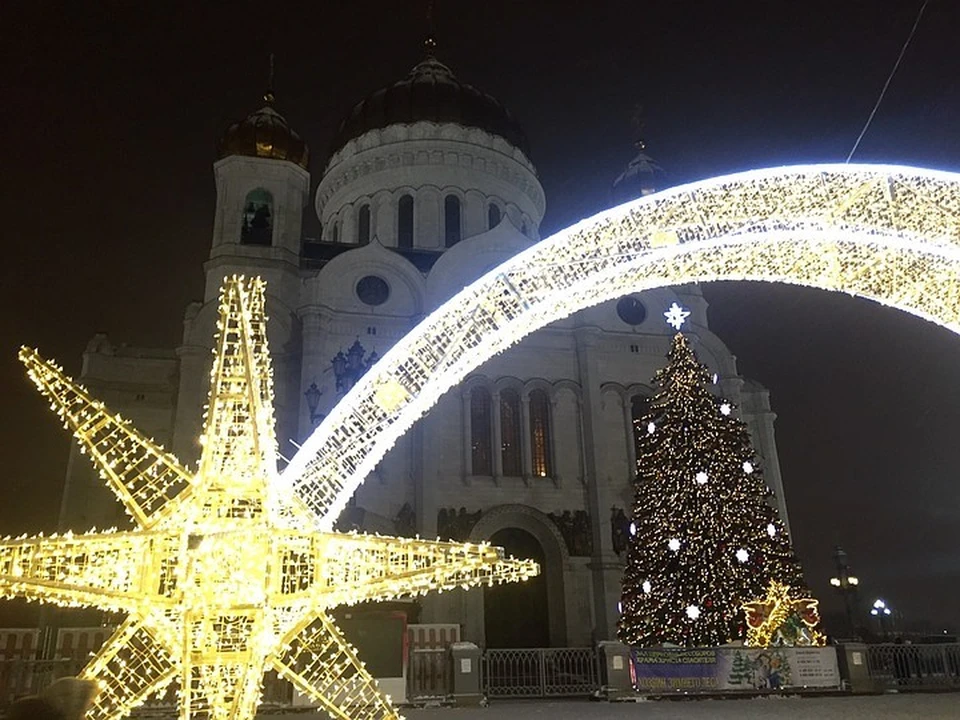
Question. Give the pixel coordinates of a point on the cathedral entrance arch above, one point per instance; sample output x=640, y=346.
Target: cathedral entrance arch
x=886, y=233
x=530, y=614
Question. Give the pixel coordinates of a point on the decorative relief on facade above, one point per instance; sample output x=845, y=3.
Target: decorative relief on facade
x=574, y=526
x=456, y=525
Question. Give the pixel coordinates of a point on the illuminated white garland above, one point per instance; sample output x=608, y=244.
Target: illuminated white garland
x=886, y=233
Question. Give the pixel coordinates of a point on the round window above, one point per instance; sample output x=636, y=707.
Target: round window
x=373, y=290
x=631, y=310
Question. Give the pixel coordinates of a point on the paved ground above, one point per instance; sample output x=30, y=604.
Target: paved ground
x=874, y=707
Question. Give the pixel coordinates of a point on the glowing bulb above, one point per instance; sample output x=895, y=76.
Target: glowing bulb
x=673, y=544
x=742, y=555
x=651, y=428
x=633, y=528
x=771, y=530
x=693, y=612
x=701, y=478
x=725, y=409
x=748, y=467
x=647, y=587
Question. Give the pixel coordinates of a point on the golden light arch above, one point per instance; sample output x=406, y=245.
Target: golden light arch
x=887, y=233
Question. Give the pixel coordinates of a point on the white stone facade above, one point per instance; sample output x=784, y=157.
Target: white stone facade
x=580, y=374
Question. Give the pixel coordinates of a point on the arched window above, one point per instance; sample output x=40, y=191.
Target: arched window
x=639, y=407
x=335, y=234
x=510, y=424
x=481, y=432
x=363, y=225
x=493, y=216
x=257, y=222
x=451, y=220
x=405, y=222
x=540, y=433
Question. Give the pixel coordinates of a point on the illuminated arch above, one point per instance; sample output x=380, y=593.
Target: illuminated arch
x=887, y=233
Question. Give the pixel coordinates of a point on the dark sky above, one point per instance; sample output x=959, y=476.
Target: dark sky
x=111, y=112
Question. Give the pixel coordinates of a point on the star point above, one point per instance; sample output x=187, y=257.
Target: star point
x=676, y=316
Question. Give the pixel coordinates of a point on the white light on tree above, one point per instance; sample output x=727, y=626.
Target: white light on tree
x=226, y=575
x=673, y=544
x=742, y=555
x=747, y=467
x=701, y=478
x=725, y=409
x=771, y=529
x=633, y=528
x=647, y=587
x=651, y=428
x=693, y=612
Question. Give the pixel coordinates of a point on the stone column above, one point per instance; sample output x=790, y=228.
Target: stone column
x=496, y=441
x=604, y=565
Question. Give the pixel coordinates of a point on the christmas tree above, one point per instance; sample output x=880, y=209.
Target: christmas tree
x=705, y=538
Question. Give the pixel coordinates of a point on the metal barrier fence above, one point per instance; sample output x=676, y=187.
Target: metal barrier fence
x=428, y=674
x=27, y=677
x=898, y=665
x=540, y=672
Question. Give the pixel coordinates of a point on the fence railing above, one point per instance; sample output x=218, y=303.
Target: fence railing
x=896, y=665
x=428, y=674
x=540, y=672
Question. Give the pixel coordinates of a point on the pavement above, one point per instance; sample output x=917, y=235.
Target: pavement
x=863, y=707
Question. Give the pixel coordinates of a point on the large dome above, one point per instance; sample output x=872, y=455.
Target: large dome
x=264, y=134
x=430, y=92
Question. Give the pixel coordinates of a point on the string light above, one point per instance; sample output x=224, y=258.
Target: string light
x=882, y=232
x=226, y=575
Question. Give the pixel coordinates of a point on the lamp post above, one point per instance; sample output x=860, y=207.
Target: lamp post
x=312, y=394
x=846, y=584
x=881, y=611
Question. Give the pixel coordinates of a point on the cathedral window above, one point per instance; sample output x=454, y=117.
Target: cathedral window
x=510, y=425
x=363, y=225
x=639, y=406
x=405, y=222
x=257, y=223
x=481, y=432
x=451, y=220
x=540, y=433
x=493, y=216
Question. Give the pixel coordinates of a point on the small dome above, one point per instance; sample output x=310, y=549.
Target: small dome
x=642, y=176
x=264, y=134
x=430, y=92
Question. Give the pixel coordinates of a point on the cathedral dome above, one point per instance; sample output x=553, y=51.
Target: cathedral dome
x=432, y=93
x=265, y=134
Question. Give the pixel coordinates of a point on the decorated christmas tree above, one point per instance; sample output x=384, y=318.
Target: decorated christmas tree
x=705, y=538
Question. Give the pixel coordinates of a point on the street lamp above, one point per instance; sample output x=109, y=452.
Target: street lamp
x=881, y=610
x=312, y=395
x=846, y=584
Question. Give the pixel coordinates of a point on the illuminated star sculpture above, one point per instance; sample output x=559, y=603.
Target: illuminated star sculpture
x=783, y=618
x=225, y=575
x=676, y=316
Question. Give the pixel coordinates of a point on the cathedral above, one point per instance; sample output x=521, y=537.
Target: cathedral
x=427, y=185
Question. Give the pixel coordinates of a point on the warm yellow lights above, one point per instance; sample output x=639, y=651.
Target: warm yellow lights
x=225, y=576
x=783, y=618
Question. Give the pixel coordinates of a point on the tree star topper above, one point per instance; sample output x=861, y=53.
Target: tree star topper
x=225, y=575
x=676, y=316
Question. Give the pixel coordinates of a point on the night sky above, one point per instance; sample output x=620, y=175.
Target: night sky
x=112, y=111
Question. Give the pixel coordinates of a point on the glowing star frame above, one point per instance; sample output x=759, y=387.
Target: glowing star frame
x=887, y=233
x=767, y=615
x=225, y=576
